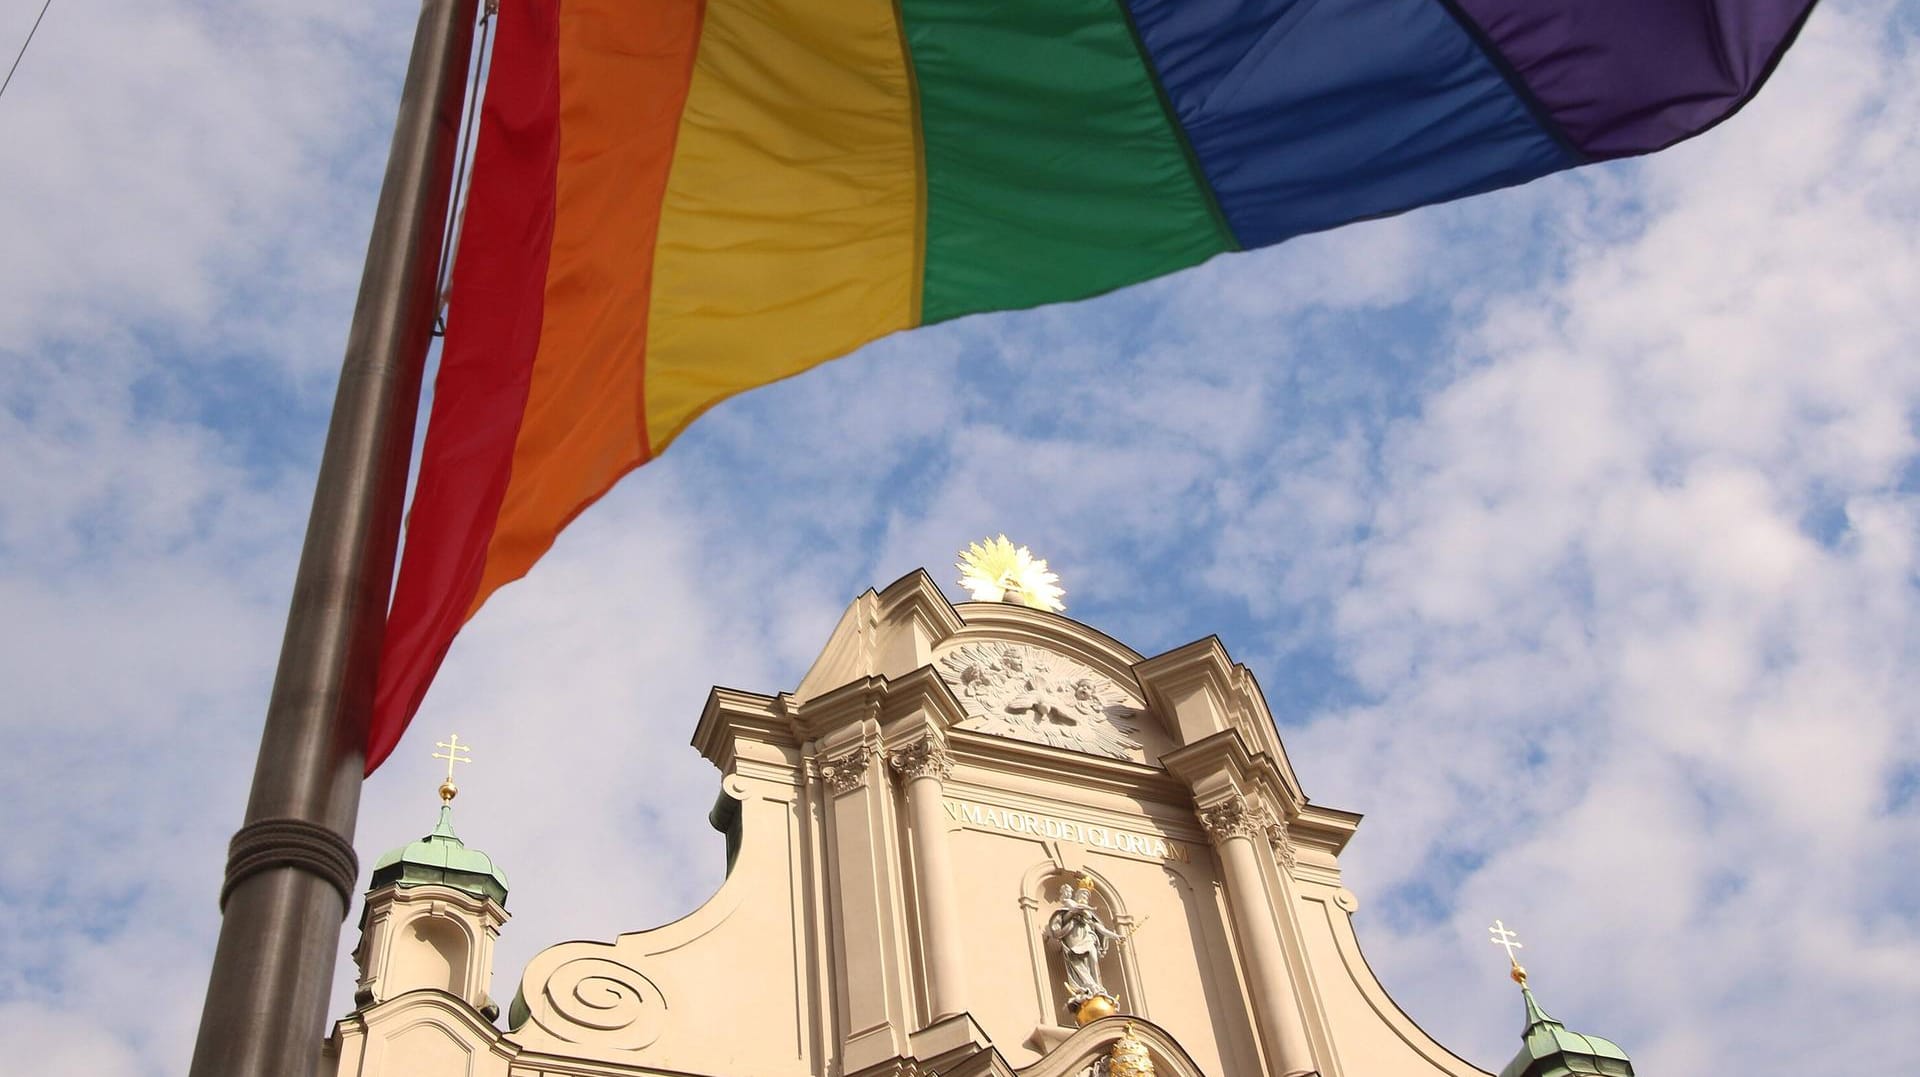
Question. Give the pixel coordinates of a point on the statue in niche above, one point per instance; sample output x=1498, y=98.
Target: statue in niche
x=1083, y=940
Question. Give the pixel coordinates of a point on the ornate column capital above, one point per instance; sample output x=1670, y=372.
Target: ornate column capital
x=1235, y=816
x=1282, y=842
x=924, y=758
x=848, y=770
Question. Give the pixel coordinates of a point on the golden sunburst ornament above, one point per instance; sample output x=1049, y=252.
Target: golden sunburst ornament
x=996, y=570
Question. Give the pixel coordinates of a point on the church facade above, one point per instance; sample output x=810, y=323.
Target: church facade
x=977, y=839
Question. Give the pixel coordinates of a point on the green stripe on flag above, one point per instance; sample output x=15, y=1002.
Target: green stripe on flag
x=1053, y=172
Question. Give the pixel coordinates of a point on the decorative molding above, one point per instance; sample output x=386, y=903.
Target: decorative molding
x=1028, y=693
x=1282, y=842
x=603, y=1003
x=848, y=770
x=924, y=758
x=1234, y=816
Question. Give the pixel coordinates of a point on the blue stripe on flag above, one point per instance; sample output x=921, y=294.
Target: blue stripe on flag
x=1306, y=114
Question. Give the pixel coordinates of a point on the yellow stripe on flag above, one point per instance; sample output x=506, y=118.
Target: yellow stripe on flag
x=789, y=228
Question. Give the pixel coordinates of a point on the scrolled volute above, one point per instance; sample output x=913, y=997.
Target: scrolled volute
x=602, y=1003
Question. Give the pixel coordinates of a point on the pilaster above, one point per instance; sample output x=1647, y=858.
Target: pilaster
x=924, y=765
x=868, y=935
x=1236, y=803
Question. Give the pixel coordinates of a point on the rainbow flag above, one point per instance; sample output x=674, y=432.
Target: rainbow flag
x=677, y=200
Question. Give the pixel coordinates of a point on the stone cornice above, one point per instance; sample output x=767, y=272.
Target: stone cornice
x=1223, y=762
x=434, y=893
x=1214, y=766
x=918, y=695
x=1200, y=690
x=1190, y=686
x=730, y=712
x=1081, y=771
x=428, y=1005
x=916, y=597
x=1323, y=828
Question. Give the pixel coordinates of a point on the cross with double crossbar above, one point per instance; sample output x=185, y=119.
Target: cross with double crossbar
x=456, y=752
x=1506, y=938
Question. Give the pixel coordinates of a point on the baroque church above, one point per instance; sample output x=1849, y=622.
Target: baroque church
x=976, y=839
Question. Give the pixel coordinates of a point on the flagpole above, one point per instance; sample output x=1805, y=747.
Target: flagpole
x=291, y=871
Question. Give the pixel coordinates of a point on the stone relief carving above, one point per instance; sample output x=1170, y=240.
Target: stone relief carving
x=1282, y=842
x=1234, y=816
x=847, y=771
x=924, y=758
x=602, y=1003
x=1014, y=690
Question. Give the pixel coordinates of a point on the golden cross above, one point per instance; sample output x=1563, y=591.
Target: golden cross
x=1510, y=940
x=456, y=752
x=1507, y=938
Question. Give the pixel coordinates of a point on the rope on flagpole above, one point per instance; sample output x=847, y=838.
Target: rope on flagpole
x=457, y=206
x=17, y=57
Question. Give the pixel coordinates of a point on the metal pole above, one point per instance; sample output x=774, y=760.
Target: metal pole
x=291, y=869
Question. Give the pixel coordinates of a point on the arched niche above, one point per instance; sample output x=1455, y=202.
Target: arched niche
x=439, y=954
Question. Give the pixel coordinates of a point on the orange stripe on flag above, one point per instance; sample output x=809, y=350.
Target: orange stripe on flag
x=585, y=422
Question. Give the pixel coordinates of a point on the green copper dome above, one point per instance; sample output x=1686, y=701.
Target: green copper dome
x=442, y=858
x=1549, y=1050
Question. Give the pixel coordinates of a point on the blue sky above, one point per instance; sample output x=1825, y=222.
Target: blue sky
x=1571, y=532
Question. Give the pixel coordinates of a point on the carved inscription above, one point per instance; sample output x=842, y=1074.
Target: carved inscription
x=1093, y=835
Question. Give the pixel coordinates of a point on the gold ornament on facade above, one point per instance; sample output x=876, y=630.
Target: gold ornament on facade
x=1094, y=1008
x=1129, y=1056
x=995, y=570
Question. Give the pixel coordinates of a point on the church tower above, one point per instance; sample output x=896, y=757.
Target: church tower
x=1547, y=1049
x=975, y=839
x=427, y=929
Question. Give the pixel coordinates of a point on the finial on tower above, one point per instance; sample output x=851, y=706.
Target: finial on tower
x=1510, y=940
x=1547, y=1047
x=995, y=570
x=456, y=752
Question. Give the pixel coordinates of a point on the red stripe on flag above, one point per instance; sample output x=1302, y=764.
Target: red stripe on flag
x=480, y=394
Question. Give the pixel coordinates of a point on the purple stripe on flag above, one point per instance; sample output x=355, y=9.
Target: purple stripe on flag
x=1622, y=77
